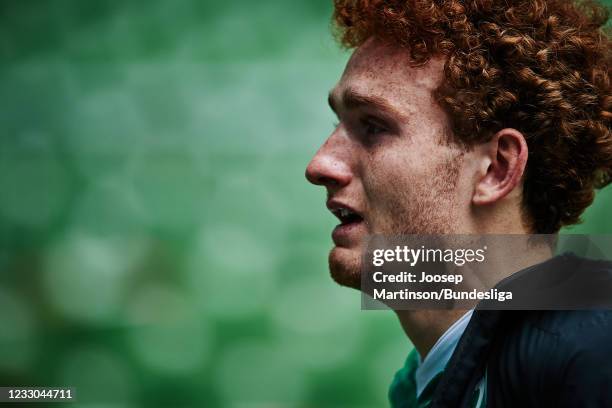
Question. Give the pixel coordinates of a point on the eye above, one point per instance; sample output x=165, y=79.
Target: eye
x=372, y=127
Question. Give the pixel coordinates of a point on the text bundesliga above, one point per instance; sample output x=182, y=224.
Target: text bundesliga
x=442, y=294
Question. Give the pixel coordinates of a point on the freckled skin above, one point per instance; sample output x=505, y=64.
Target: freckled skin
x=411, y=180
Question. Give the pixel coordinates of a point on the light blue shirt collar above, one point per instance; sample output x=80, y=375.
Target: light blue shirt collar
x=440, y=353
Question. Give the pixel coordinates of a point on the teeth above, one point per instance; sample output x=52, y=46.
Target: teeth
x=344, y=212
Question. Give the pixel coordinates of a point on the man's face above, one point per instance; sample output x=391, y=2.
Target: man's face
x=388, y=166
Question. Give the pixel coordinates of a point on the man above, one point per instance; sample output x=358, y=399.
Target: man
x=474, y=117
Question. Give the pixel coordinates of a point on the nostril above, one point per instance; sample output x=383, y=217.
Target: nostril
x=327, y=181
x=320, y=178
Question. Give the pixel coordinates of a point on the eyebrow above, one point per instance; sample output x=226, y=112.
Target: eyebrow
x=352, y=99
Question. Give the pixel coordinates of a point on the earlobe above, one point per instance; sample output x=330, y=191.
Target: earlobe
x=506, y=155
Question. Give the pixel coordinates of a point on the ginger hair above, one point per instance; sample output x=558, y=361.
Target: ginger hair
x=539, y=66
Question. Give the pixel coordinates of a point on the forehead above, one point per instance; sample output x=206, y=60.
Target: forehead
x=381, y=70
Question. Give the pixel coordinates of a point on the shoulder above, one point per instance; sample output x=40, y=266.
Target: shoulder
x=568, y=323
x=584, y=352
x=540, y=333
x=556, y=352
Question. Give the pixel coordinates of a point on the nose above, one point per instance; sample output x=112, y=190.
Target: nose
x=329, y=167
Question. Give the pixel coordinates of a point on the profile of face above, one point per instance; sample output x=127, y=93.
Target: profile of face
x=389, y=166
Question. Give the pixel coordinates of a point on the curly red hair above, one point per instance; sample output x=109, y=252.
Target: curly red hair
x=539, y=66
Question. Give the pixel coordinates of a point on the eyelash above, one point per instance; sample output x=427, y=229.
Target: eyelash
x=372, y=127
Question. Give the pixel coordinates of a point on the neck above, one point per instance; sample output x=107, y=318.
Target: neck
x=425, y=327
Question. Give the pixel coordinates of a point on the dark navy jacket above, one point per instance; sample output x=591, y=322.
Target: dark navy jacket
x=534, y=358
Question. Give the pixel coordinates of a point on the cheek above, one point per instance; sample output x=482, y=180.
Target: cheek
x=389, y=183
x=408, y=186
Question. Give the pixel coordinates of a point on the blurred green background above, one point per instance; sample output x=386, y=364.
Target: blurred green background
x=159, y=245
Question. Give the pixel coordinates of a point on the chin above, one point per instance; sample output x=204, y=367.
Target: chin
x=345, y=266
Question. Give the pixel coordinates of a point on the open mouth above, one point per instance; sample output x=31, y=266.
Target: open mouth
x=346, y=215
x=351, y=226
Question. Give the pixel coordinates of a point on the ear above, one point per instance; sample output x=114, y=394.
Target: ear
x=505, y=159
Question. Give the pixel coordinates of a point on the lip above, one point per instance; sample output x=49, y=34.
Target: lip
x=346, y=234
x=333, y=205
